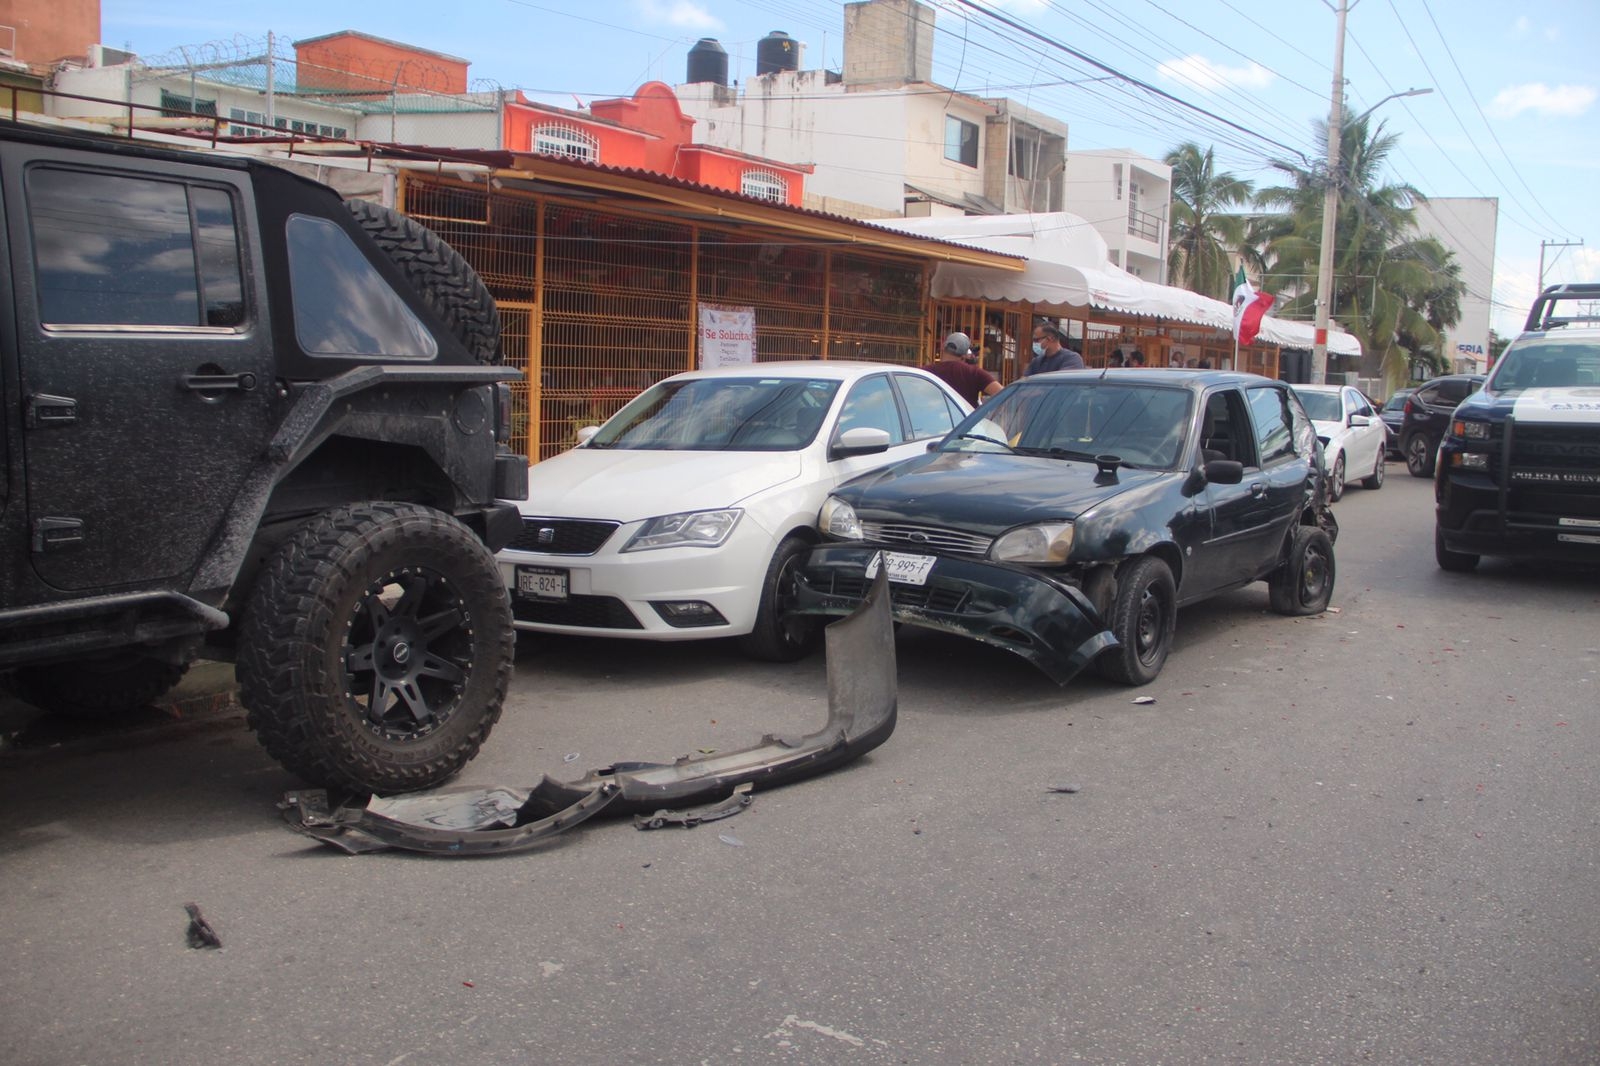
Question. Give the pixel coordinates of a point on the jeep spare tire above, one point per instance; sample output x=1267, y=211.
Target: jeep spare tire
x=447, y=282
x=376, y=648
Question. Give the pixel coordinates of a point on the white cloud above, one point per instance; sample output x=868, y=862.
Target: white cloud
x=1523, y=25
x=1200, y=73
x=1566, y=101
x=679, y=14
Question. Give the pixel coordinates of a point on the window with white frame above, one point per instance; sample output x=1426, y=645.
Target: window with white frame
x=764, y=185
x=960, y=141
x=560, y=139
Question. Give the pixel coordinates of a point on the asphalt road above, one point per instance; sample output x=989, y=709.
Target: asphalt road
x=1368, y=837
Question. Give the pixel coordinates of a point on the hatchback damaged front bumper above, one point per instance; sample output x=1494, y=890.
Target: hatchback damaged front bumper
x=862, y=701
x=1048, y=623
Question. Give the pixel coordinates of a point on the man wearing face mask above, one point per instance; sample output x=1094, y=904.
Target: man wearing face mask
x=1049, y=351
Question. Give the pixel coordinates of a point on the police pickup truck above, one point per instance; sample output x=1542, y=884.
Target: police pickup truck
x=1519, y=468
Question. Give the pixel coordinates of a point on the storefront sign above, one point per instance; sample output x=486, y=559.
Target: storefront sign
x=727, y=335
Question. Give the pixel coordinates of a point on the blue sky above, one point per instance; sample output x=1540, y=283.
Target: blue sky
x=1515, y=111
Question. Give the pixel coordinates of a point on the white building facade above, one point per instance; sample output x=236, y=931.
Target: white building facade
x=1128, y=199
x=1466, y=225
x=885, y=140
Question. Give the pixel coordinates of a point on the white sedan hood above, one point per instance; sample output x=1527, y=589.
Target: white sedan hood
x=626, y=486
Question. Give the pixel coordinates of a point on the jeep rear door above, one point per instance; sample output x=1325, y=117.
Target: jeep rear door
x=146, y=370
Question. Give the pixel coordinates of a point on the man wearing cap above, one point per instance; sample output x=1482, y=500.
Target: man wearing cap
x=1049, y=353
x=971, y=381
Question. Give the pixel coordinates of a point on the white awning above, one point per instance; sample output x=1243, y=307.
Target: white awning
x=1069, y=270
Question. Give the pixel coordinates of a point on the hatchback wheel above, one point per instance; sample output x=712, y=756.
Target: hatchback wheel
x=1303, y=585
x=1144, y=617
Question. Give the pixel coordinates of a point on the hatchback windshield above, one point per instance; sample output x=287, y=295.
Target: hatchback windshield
x=753, y=414
x=1552, y=363
x=1140, y=424
x=1321, y=406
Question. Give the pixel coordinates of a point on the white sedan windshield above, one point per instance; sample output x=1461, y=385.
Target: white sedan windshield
x=774, y=414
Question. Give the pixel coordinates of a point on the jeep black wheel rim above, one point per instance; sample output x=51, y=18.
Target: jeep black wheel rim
x=1313, y=575
x=407, y=653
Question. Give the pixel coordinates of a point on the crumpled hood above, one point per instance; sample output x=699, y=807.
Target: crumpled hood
x=985, y=492
x=625, y=486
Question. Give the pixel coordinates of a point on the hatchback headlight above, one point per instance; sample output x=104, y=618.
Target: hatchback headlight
x=690, y=529
x=1469, y=430
x=838, y=519
x=1045, y=543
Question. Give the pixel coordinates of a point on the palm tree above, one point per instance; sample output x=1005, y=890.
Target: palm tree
x=1396, y=291
x=1204, y=231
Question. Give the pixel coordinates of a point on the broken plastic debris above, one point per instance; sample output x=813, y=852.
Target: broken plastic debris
x=570, y=756
x=200, y=934
x=711, y=812
x=1331, y=610
x=730, y=840
x=1143, y=700
x=862, y=701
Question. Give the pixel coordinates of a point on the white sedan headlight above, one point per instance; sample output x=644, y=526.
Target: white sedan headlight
x=690, y=529
x=838, y=519
x=1045, y=543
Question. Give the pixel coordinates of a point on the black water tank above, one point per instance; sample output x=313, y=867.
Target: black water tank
x=708, y=62
x=777, y=51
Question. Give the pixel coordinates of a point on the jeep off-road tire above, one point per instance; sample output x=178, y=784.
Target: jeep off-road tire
x=1303, y=584
x=1144, y=617
x=97, y=688
x=780, y=636
x=445, y=281
x=376, y=648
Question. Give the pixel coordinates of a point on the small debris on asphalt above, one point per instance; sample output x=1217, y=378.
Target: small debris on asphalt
x=1062, y=788
x=1331, y=610
x=570, y=756
x=730, y=840
x=1143, y=700
x=200, y=933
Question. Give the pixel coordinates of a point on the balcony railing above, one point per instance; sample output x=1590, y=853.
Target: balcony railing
x=1145, y=225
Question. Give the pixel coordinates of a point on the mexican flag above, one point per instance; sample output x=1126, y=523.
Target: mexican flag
x=1248, y=307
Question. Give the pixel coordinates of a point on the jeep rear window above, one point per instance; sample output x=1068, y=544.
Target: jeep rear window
x=342, y=305
x=113, y=250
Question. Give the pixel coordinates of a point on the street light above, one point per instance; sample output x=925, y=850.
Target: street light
x=1330, y=202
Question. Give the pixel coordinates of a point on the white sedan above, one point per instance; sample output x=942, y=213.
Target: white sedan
x=682, y=517
x=1352, y=434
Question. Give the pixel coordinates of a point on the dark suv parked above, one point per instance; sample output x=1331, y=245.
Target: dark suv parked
x=1427, y=416
x=244, y=420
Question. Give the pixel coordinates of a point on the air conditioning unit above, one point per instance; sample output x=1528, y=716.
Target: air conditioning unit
x=8, y=41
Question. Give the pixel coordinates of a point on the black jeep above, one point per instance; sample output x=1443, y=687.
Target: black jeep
x=245, y=420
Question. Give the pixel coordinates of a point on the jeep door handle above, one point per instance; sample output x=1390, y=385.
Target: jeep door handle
x=218, y=382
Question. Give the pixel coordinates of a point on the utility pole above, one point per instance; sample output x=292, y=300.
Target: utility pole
x=272, y=96
x=1553, y=244
x=1330, y=206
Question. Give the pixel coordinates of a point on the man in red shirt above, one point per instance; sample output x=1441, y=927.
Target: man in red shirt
x=971, y=381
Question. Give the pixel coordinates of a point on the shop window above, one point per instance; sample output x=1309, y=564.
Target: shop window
x=960, y=141
x=570, y=141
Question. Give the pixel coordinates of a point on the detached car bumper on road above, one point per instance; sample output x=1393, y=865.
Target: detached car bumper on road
x=1051, y=625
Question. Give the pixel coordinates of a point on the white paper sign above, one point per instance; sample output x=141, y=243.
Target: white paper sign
x=727, y=336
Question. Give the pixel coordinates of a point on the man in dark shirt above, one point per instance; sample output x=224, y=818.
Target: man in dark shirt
x=972, y=382
x=1049, y=351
